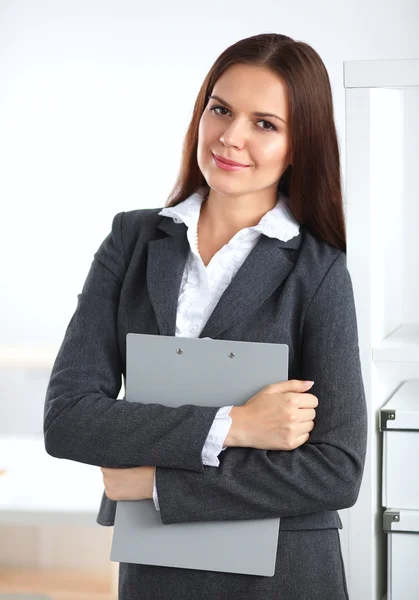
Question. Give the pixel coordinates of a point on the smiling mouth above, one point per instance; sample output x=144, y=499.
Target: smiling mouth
x=225, y=166
x=227, y=162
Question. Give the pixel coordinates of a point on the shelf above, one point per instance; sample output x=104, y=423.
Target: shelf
x=404, y=404
x=402, y=345
x=381, y=73
x=57, y=584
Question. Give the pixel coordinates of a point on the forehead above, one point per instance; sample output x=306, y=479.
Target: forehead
x=257, y=87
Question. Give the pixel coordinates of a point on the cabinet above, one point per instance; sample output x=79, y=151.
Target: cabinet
x=399, y=422
x=382, y=216
x=402, y=528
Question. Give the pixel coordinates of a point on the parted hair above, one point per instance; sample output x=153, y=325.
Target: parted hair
x=313, y=181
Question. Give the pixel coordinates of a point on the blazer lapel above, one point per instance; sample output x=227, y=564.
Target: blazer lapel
x=165, y=264
x=263, y=271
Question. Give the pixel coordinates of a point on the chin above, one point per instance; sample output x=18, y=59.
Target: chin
x=223, y=187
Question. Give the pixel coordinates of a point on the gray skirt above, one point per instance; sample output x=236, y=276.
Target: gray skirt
x=309, y=566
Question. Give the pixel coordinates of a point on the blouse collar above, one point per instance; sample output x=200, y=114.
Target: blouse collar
x=276, y=223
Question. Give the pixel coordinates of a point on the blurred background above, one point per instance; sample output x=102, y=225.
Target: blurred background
x=95, y=99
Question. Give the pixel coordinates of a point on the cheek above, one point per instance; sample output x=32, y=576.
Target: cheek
x=203, y=124
x=200, y=132
x=204, y=139
x=273, y=152
x=209, y=129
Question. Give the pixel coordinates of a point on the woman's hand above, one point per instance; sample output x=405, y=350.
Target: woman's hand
x=279, y=417
x=129, y=484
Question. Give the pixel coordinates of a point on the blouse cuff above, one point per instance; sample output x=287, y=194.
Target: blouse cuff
x=216, y=436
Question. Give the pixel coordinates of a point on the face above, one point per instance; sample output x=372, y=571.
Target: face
x=230, y=129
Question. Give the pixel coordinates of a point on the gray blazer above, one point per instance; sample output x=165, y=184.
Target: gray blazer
x=298, y=293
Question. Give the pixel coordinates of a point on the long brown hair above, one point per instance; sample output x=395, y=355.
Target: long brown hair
x=313, y=182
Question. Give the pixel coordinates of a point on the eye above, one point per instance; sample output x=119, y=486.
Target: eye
x=214, y=108
x=271, y=127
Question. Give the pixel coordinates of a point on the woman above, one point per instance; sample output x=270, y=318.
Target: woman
x=254, y=253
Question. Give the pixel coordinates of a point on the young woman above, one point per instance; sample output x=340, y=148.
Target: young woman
x=250, y=246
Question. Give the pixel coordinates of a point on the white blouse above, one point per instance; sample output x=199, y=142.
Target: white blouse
x=202, y=287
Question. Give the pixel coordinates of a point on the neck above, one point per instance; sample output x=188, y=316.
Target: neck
x=225, y=214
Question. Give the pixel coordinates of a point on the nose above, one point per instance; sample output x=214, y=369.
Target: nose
x=233, y=135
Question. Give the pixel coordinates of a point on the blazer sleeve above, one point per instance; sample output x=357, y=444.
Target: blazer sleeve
x=83, y=420
x=324, y=473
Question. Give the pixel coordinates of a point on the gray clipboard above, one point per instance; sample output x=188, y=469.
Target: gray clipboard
x=207, y=372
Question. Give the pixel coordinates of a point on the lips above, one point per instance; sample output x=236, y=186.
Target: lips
x=227, y=161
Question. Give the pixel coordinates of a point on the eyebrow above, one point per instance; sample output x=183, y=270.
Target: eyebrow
x=256, y=114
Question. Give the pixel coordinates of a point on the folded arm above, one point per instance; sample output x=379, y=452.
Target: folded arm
x=83, y=420
x=323, y=474
x=213, y=444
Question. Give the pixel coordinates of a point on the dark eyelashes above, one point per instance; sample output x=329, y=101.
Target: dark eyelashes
x=273, y=128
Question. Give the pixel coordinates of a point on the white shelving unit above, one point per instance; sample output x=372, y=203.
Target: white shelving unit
x=382, y=197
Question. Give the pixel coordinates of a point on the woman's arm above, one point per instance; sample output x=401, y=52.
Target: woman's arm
x=323, y=474
x=83, y=421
